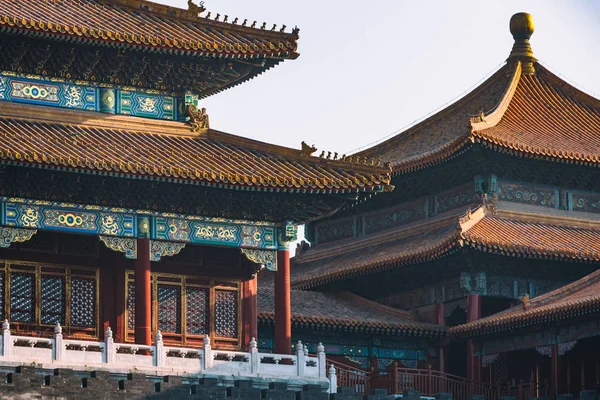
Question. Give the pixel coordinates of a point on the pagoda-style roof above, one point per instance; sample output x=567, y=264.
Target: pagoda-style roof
x=117, y=42
x=343, y=311
x=501, y=229
x=126, y=146
x=571, y=301
x=522, y=109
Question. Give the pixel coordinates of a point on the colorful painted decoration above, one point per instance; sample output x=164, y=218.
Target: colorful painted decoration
x=64, y=94
x=71, y=218
x=222, y=233
x=12, y=235
x=169, y=232
x=268, y=258
x=56, y=94
x=146, y=105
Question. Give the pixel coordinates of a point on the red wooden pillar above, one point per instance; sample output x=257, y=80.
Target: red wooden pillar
x=250, y=310
x=108, y=290
x=441, y=320
x=283, y=314
x=554, y=369
x=473, y=362
x=143, y=306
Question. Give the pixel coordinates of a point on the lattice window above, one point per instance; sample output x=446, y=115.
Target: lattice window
x=186, y=308
x=22, y=297
x=197, y=311
x=39, y=295
x=83, y=302
x=131, y=305
x=226, y=311
x=53, y=300
x=169, y=308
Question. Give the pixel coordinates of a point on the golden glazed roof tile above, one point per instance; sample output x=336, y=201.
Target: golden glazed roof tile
x=510, y=233
x=145, y=24
x=522, y=109
x=35, y=135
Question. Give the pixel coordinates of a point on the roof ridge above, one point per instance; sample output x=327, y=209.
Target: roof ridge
x=448, y=241
x=390, y=235
x=482, y=121
x=567, y=289
x=295, y=154
x=441, y=114
x=189, y=15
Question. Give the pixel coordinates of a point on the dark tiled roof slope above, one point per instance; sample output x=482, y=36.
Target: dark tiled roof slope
x=345, y=311
x=87, y=141
x=570, y=301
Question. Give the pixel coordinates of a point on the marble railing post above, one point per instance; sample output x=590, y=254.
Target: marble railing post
x=109, y=346
x=300, y=359
x=208, y=357
x=332, y=380
x=6, y=339
x=254, y=357
x=322, y=362
x=58, y=348
x=159, y=351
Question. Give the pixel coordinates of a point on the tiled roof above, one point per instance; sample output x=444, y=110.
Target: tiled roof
x=534, y=239
x=144, y=24
x=578, y=298
x=526, y=114
x=113, y=144
x=345, y=311
x=505, y=232
x=351, y=258
x=546, y=117
x=444, y=133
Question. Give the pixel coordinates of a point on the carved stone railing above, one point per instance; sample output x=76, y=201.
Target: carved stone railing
x=58, y=352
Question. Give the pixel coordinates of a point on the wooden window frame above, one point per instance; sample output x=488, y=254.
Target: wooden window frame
x=183, y=282
x=39, y=269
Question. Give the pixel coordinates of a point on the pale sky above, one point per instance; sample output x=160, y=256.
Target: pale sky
x=370, y=68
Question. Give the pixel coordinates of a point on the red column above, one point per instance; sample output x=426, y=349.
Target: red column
x=554, y=370
x=441, y=320
x=143, y=306
x=283, y=314
x=250, y=311
x=473, y=362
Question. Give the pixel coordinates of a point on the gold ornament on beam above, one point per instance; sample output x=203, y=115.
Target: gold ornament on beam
x=198, y=118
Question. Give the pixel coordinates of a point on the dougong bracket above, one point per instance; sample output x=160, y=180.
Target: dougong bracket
x=268, y=258
x=12, y=235
x=160, y=249
x=123, y=245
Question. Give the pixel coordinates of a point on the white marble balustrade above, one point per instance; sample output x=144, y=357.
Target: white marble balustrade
x=158, y=359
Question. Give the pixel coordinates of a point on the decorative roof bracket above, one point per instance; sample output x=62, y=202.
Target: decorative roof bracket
x=13, y=235
x=268, y=258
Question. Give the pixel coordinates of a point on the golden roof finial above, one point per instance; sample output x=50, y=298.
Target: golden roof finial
x=521, y=28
